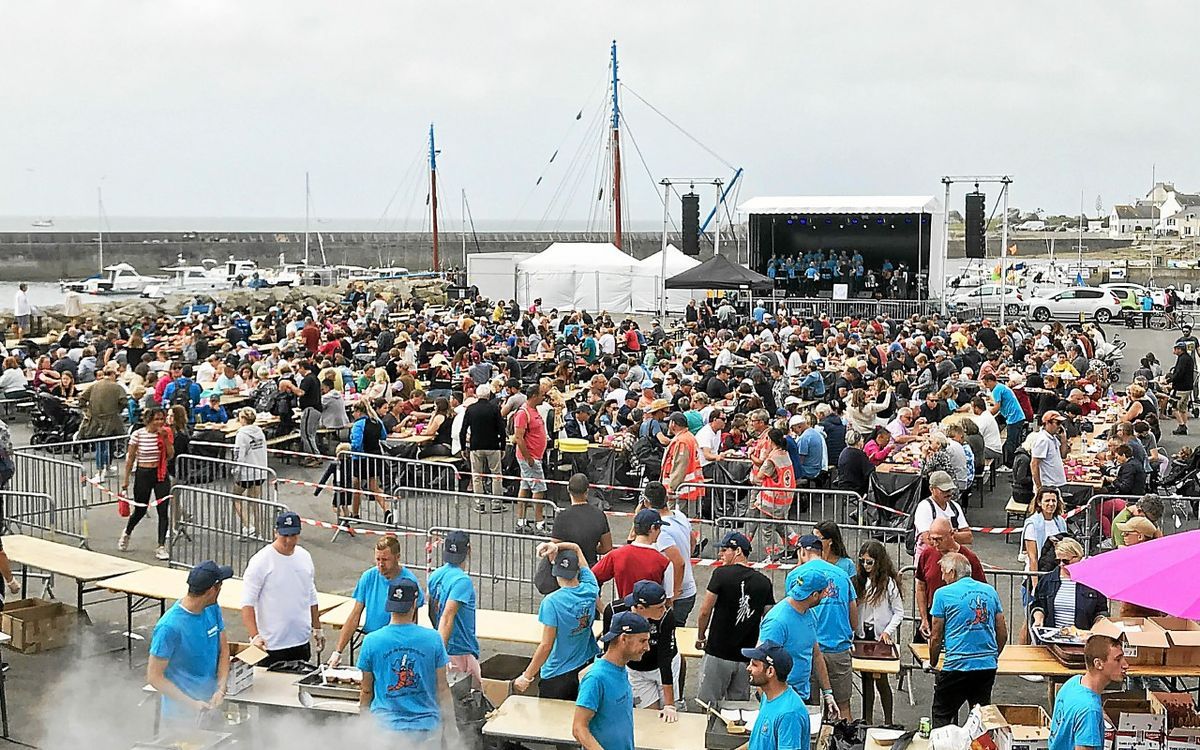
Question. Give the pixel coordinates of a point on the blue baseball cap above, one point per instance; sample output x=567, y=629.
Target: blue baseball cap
x=773, y=654
x=402, y=595
x=736, y=540
x=646, y=594
x=566, y=564
x=625, y=623
x=206, y=575
x=645, y=520
x=287, y=524
x=456, y=546
x=811, y=541
x=808, y=584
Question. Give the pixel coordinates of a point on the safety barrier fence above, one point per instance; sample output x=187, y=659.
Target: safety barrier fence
x=221, y=526
x=805, y=504
x=1179, y=514
x=895, y=308
x=61, y=479
x=220, y=473
x=29, y=513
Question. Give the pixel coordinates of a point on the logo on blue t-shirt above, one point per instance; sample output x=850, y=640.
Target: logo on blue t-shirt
x=982, y=615
x=405, y=676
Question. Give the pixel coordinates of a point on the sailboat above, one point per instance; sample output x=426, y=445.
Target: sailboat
x=43, y=223
x=119, y=278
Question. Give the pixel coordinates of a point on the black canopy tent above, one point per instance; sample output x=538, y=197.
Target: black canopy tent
x=718, y=272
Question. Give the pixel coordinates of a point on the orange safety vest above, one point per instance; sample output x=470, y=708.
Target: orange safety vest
x=778, y=491
x=683, y=447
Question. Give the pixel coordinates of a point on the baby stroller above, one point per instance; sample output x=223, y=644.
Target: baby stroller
x=53, y=422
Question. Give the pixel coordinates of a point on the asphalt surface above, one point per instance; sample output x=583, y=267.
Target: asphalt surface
x=75, y=694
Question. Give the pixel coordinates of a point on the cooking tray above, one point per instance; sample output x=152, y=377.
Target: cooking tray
x=185, y=739
x=875, y=650
x=314, y=685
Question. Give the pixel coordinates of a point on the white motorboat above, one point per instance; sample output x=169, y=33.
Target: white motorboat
x=208, y=276
x=121, y=278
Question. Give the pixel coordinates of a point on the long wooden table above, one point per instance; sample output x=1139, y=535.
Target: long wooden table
x=548, y=721
x=83, y=565
x=1018, y=660
x=156, y=585
x=524, y=628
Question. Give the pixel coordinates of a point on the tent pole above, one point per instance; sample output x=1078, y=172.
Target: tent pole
x=946, y=244
x=662, y=299
x=920, y=232
x=717, y=238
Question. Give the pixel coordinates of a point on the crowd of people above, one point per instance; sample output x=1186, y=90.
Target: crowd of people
x=798, y=403
x=810, y=273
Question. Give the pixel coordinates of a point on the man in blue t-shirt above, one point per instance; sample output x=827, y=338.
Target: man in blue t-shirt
x=1078, y=720
x=371, y=593
x=189, y=652
x=837, y=619
x=604, y=707
x=452, y=606
x=404, y=671
x=567, y=644
x=806, y=447
x=782, y=722
x=969, y=621
x=1006, y=405
x=792, y=625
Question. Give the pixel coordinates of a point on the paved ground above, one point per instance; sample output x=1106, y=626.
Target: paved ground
x=96, y=697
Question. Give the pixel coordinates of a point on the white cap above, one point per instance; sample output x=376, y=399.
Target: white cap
x=797, y=419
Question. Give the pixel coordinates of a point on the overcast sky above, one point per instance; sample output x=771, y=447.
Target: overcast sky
x=217, y=107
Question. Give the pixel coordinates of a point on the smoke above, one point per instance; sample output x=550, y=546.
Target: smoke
x=100, y=704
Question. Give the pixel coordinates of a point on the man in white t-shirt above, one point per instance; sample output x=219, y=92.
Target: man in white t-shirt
x=940, y=504
x=992, y=444
x=677, y=533
x=708, y=439
x=1046, y=453
x=279, y=597
x=607, y=342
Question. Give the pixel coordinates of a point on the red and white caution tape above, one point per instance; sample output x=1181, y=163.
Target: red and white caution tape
x=122, y=496
x=707, y=563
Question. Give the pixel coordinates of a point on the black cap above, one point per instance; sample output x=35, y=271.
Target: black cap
x=402, y=595
x=566, y=564
x=206, y=575
x=645, y=520
x=456, y=546
x=736, y=540
x=646, y=594
x=625, y=623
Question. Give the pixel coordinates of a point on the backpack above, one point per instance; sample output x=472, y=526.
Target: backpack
x=182, y=395
x=910, y=528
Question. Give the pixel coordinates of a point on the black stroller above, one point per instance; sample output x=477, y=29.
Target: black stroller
x=53, y=421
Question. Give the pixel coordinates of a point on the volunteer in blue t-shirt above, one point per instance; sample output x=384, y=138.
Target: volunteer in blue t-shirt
x=604, y=708
x=567, y=644
x=452, y=605
x=371, y=593
x=1006, y=405
x=792, y=625
x=969, y=622
x=1078, y=720
x=404, y=671
x=836, y=616
x=189, y=652
x=782, y=722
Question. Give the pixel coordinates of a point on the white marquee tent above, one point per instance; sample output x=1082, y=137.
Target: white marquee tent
x=575, y=275
x=647, y=285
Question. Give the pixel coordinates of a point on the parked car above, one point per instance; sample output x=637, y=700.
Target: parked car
x=1188, y=295
x=1096, y=304
x=986, y=298
x=1157, y=295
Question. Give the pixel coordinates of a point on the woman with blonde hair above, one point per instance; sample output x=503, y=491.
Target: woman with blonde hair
x=862, y=413
x=250, y=473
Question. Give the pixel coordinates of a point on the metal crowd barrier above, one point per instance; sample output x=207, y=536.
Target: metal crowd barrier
x=222, y=526
x=1009, y=587
x=93, y=453
x=1177, y=516
x=30, y=513
x=502, y=563
x=220, y=474
x=808, y=505
x=61, y=479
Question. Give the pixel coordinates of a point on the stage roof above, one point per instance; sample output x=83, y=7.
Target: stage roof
x=842, y=204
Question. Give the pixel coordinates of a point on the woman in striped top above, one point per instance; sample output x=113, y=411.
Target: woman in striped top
x=150, y=450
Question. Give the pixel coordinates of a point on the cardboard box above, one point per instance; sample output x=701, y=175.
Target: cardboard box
x=499, y=671
x=37, y=625
x=1030, y=726
x=1184, y=738
x=242, y=658
x=1135, y=722
x=988, y=729
x=1145, y=643
x=1184, y=636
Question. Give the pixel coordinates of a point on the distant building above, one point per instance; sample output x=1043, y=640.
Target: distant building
x=1186, y=223
x=1136, y=219
x=1154, y=213
x=1097, y=224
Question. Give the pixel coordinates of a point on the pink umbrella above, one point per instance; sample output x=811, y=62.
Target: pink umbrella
x=1158, y=574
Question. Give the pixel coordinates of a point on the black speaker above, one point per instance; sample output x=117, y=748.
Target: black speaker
x=976, y=242
x=691, y=224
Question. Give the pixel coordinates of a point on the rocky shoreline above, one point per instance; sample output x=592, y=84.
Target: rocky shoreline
x=246, y=301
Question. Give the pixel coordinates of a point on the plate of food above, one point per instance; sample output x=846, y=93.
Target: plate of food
x=1069, y=635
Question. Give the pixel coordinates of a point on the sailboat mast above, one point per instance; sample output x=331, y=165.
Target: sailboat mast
x=100, y=224
x=616, y=152
x=306, y=204
x=433, y=194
